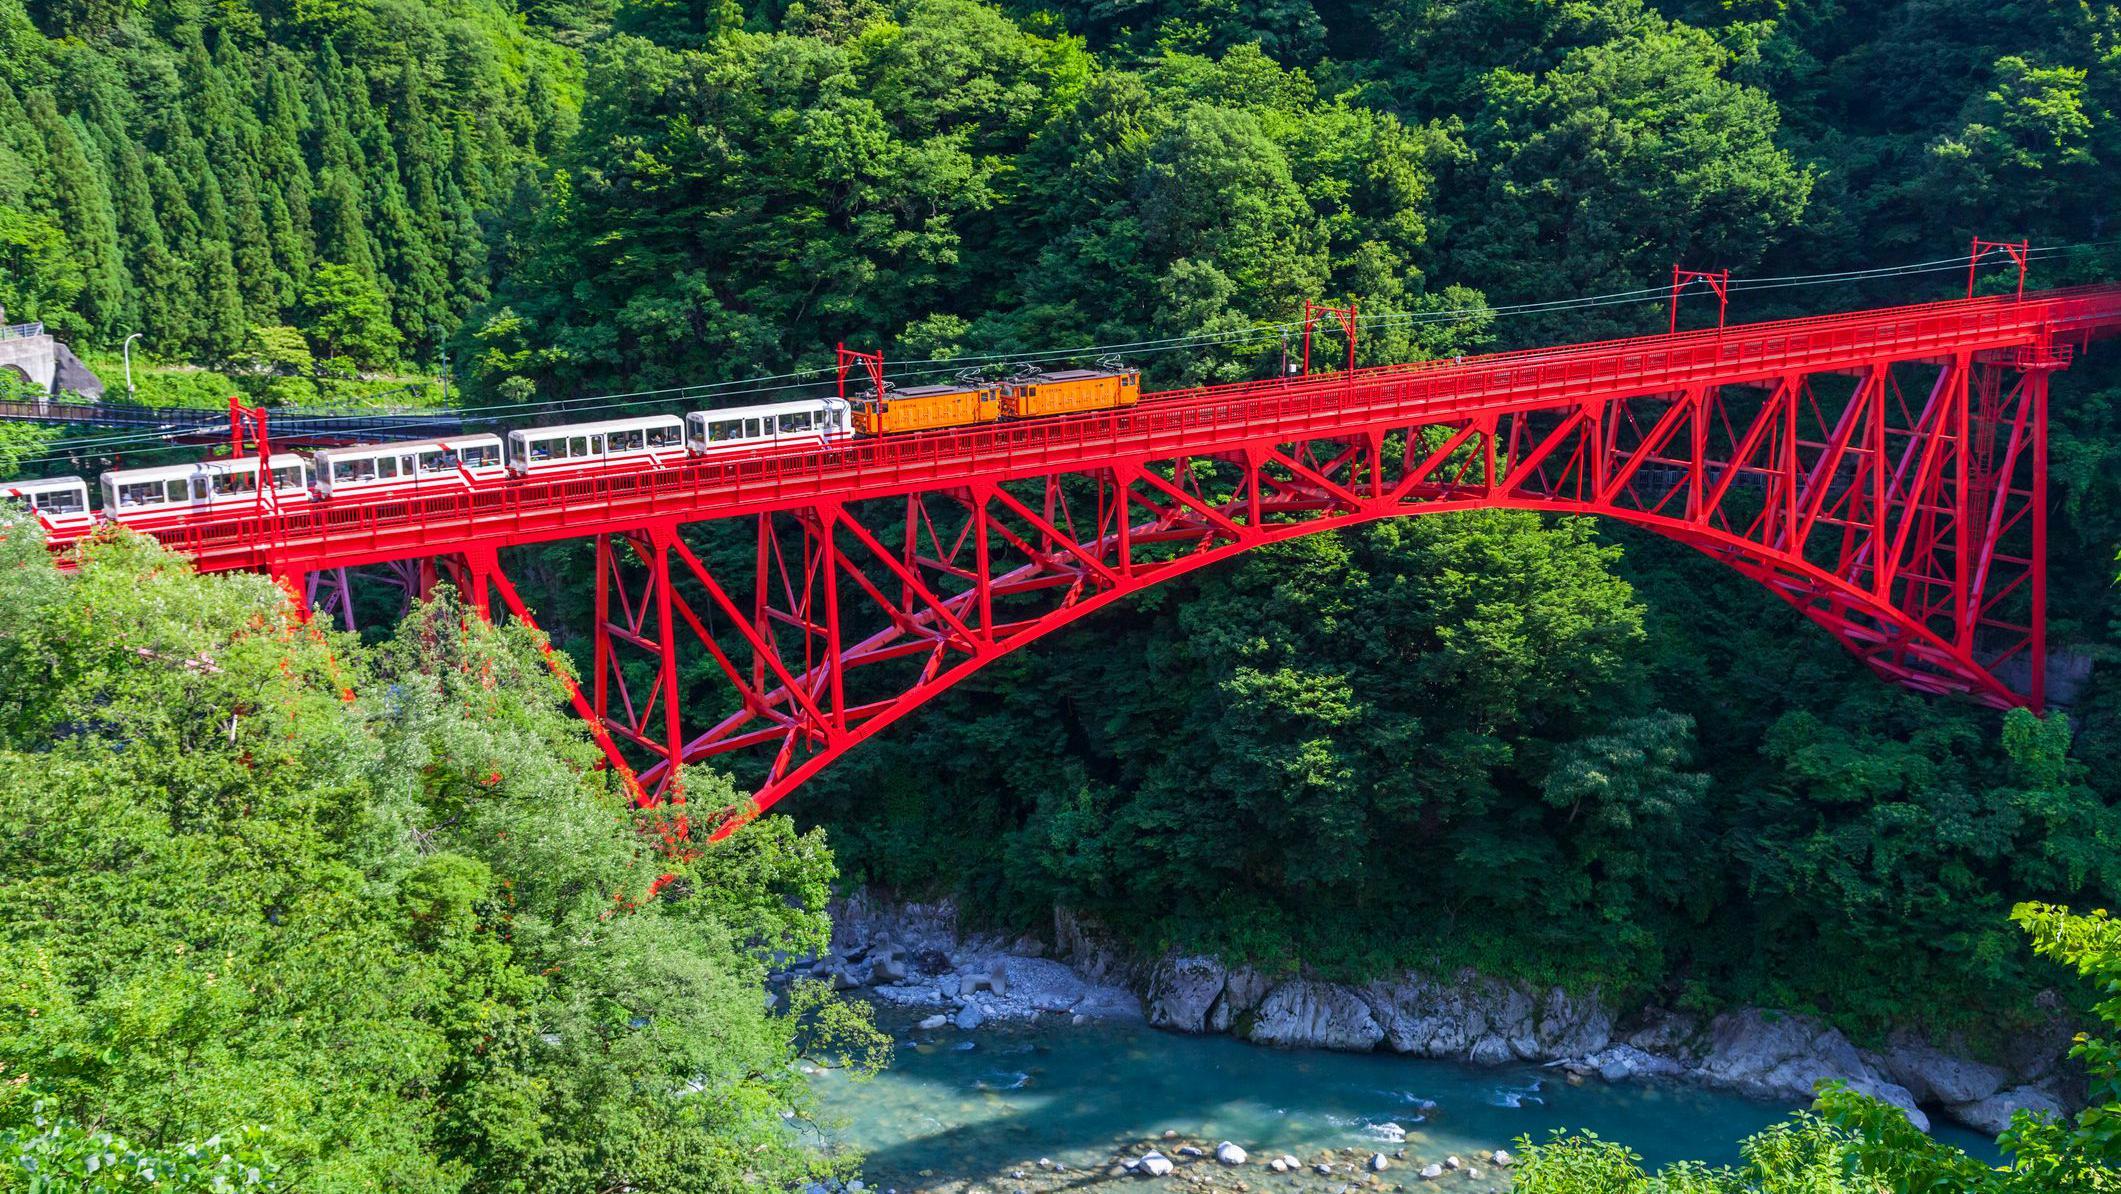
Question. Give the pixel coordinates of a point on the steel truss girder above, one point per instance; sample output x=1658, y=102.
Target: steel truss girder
x=1901, y=506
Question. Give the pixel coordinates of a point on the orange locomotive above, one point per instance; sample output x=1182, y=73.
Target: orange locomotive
x=1069, y=391
x=1025, y=396
x=924, y=408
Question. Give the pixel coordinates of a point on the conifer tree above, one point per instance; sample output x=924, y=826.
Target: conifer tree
x=147, y=254
x=82, y=202
x=342, y=229
x=288, y=187
x=183, y=326
x=221, y=299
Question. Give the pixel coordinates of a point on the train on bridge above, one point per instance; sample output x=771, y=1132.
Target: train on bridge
x=152, y=498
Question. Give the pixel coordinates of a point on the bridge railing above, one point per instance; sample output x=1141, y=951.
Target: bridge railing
x=20, y=331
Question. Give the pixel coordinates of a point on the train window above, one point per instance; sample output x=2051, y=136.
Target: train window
x=666, y=437
x=287, y=476
x=629, y=441
x=726, y=429
x=386, y=466
x=139, y=493
x=753, y=428
x=578, y=445
x=798, y=421
x=61, y=501
x=437, y=460
x=596, y=445
x=180, y=491
x=541, y=449
x=234, y=484
x=480, y=456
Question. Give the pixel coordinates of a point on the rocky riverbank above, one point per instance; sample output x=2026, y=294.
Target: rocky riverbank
x=915, y=955
x=1467, y=1017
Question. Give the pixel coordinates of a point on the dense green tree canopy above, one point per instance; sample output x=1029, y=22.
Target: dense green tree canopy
x=371, y=906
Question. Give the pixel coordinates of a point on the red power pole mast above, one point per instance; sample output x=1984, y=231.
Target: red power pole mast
x=2019, y=252
x=872, y=363
x=1718, y=281
x=1345, y=316
x=240, y=417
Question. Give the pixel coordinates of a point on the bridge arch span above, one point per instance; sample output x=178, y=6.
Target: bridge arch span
x=1900, y=508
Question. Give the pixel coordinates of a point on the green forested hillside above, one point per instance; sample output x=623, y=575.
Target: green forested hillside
x=611, y=193
x=207, y=173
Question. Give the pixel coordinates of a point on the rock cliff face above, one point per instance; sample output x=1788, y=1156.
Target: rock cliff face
x=1468, y=1017
x=1463, y=1016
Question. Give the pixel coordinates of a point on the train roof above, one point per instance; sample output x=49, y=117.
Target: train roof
x=943, y=388
x=43, y=485
x=176, y=471
x=769, y=408
x=605, y=425
x=412, y=445
x=1073, y=375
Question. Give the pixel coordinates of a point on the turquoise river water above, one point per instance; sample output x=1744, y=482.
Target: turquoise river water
x=973, y=1107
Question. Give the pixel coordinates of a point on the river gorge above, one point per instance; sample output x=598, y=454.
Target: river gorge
x=1019, y=1071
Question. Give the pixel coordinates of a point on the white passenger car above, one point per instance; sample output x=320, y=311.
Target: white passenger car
x=748, y=428
x=178, y=491
x=60, y=503
x=419, y=466
x=588, y=447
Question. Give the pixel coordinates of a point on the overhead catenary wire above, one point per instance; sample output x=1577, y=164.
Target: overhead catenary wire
x=1263, y=333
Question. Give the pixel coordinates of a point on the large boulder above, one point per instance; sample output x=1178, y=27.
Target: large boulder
x=1623, y=1063
x=1934, y=1076
x=1109, y=1003
x=1674, y=1034
x=1315, y=1015
x=1183, y=990
x=1243, y=991
x=1786, y=1057
x=1425, y=1018
x=1044, y=984
x=1479, y=1019
x=1572, y=1025
x=1992, y=1114
x=862, y=919
x=1089, y=950
x=70, y=376
x=886, y=967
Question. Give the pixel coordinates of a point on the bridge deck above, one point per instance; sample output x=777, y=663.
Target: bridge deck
x=1199, y=422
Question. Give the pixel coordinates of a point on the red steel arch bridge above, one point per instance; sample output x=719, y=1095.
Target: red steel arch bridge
x=1883, y=471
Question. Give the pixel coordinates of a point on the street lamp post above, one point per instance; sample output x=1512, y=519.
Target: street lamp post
x=128, y=347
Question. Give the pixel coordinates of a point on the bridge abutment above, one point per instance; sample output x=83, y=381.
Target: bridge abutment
x=33, y=358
